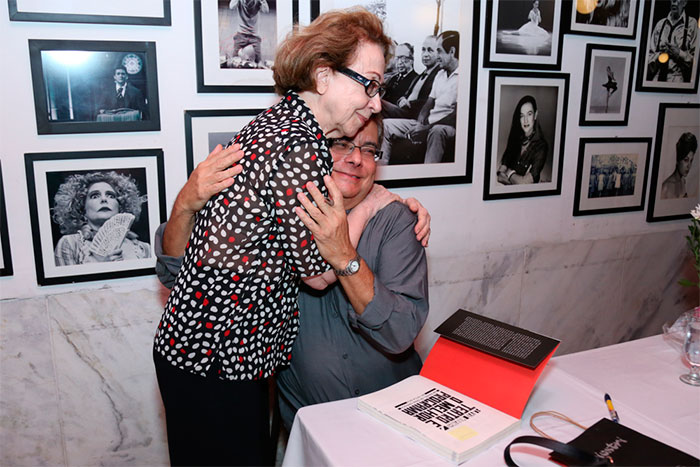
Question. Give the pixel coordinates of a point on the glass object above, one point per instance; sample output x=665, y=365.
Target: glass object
x=691, y=348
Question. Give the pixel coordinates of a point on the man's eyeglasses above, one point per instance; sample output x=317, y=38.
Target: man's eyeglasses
x=372, y=86
x=345, y=148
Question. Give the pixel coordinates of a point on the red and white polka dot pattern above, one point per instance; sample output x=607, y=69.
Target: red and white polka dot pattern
x=234, y=303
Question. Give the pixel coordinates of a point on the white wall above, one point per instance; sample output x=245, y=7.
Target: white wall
x=463, y=225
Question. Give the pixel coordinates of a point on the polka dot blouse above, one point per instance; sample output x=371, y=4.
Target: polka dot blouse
x=234, y=302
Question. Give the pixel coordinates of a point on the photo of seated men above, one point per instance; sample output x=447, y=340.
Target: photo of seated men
x=430, y=136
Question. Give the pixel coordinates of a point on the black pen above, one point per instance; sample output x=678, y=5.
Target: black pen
x=611, y=409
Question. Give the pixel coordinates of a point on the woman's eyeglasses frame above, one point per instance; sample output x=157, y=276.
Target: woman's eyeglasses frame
x=372, y=86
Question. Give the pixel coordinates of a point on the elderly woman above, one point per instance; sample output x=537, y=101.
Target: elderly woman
x=82, y=205
x=526, y=150
x=232, y=316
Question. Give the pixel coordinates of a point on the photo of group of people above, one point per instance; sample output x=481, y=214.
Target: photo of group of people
x=612, y=175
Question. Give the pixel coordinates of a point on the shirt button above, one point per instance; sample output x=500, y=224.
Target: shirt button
x=345, y=356
x=357, y=392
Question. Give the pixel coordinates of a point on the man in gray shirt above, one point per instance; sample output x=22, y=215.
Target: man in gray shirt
x=342, y=350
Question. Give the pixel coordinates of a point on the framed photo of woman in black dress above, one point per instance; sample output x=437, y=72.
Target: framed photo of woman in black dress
x=525, y=134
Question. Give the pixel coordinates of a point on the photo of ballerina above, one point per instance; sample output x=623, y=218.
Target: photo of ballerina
x=607, y=85
x=523, y=32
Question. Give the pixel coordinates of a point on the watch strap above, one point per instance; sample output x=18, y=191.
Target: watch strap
x=352, y=267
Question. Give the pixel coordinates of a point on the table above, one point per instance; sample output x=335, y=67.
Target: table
x=641, y=376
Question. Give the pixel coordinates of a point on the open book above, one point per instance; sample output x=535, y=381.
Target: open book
x=472, y=389
x=451, y=424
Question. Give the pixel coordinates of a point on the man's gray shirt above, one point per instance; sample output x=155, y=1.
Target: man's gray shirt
x=338, y=353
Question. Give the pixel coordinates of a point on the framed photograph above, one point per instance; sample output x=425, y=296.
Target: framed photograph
x=138, y=12
x=668, y=50
x=616, y=19
x=675, y=176
x=607, y=85
x=523, y=34
x=94, y=214
x=229, y=57
x=611, y=175
x=438, y=154
x=204, y=129
x=94, y=86
x=5, y=253
x=525, y=134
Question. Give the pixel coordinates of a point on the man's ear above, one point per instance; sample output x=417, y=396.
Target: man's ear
x=322, y=75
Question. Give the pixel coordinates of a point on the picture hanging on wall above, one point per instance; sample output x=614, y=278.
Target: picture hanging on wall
x=94, y=214
x=616, y=19
x=668, y=51
x=236, y=51
x=523, y=34
x=431, y=152
x=5, y=254
x=94, y=86
x=204, y=129
x=607, y=85
x=525, y=134
x=137, y=12
x=611, y=175
x=675, y=176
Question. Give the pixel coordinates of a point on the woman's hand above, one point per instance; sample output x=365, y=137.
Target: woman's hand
x=327, y=222
x=422, y=228
x=115, y=255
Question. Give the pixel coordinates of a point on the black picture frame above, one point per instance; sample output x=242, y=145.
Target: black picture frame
x=551, y=94
x=528, y=47
x=654, y=76
x=237, y=75
x=204, y=129
x=409, y=167
x=72, y=80
x=606, y=19
x=70, y=14
x=611, y=175
x=141, y=175
x=674, y=120
x=5, y=251
x=607, y=62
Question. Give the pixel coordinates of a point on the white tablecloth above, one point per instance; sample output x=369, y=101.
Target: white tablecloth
x=641, y=377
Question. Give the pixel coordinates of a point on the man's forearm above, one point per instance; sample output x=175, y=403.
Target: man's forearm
x=177, y=231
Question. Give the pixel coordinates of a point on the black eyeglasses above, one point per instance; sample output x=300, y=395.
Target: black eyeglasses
x=372, y=86
x=345, y=148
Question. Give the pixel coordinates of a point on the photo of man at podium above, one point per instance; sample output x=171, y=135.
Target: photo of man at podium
x=121, y=101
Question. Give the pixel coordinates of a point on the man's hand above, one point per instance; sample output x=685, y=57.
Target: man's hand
x=418, y=133
x=328, y=223
x=422, y=228
x=212, y=175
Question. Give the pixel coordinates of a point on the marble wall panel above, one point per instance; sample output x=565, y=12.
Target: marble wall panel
x=30, y=425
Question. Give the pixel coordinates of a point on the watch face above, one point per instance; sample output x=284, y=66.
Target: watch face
x=132, y=63
x=354, y=266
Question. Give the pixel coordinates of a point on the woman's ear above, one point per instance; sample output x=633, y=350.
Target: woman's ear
x=323, y=77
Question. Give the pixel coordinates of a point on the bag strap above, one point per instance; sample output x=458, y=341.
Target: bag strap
x=578, y=456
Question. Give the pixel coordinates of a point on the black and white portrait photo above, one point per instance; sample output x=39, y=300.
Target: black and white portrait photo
x=607, y=86
x=675, y=178
x=247, y=33
x=98, y=216
x=94, y=214
x=611, y=18
x=668, y=59
x=236, y=41
x=87, y=87
x=432, y=68
x=611, y=175
x=523, y=32
x=524, y=139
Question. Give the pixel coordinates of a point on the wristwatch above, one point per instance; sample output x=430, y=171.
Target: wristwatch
x=352, y=267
